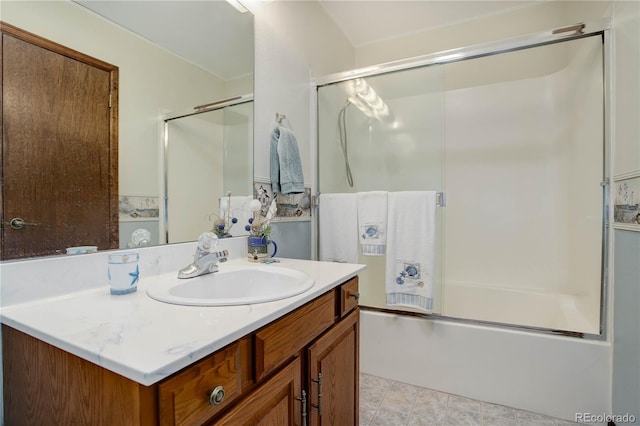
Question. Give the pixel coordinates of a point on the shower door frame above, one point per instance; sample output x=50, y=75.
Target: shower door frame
x=554, y=36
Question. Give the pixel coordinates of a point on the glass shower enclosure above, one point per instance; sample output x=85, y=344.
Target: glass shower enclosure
x=515, y=142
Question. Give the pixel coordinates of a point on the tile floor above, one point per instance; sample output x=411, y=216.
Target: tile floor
x=388, y=403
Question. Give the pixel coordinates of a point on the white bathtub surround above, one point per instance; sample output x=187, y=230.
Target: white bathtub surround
x=134, y=335
x=553, y=375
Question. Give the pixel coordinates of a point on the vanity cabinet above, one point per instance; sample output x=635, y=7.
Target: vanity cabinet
x=301, y=369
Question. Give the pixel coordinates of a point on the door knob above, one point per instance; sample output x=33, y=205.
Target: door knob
x=19, y=223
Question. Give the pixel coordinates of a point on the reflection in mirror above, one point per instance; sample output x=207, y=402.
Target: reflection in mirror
x=168, y=60
x=208, y=171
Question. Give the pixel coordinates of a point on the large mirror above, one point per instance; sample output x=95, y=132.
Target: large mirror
x=172, y=56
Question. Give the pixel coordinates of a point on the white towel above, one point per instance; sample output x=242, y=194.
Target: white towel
x=338, y=224
x=372, y=222
x=411, y=249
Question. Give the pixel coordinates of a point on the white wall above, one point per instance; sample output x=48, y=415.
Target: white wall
x=522, y=19
x=626, y=158
x=295, y=41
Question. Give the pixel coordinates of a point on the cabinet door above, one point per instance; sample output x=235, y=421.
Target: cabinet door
x=333, y=375
x=274, y=403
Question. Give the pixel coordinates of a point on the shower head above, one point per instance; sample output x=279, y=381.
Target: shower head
x=342, y=127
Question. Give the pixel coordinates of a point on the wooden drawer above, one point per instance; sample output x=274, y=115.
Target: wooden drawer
x=184, y=398
x=348, y=296
x=280, y=340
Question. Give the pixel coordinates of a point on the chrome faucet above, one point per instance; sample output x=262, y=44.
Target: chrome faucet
x=205, y=260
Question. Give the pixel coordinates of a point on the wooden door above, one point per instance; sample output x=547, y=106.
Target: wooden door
x=59, y=148
x=274, y=403
x=334, y=375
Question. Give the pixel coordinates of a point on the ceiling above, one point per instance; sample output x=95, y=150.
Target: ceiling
x=216, y=37
x=364, y=21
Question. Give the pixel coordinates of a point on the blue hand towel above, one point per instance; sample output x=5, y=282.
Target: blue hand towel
x=286, y=167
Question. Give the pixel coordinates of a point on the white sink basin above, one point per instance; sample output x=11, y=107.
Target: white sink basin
x=232, y=285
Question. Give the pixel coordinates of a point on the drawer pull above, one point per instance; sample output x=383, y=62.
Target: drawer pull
x=354, y=295
x=216, y=396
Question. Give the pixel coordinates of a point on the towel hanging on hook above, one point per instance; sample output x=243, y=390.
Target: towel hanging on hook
x=280, y=118
x=286, y=167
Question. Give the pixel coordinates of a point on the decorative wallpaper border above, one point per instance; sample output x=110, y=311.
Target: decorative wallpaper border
x=136, y=208
x=626, y=205
x=263, y=192
x=290, y=207
x=294, y=207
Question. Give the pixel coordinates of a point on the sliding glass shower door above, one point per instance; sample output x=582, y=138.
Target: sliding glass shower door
x=515, y=141
x=384, y=133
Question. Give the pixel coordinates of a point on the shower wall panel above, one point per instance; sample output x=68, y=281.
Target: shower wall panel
x=524, y=162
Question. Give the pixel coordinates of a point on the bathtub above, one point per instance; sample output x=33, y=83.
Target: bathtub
x=550, y=374
x=530, y=308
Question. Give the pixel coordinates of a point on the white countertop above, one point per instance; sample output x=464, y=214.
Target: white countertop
x=146, y=340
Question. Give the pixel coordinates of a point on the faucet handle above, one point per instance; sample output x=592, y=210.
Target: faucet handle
x=207, y=241
x=222, y=255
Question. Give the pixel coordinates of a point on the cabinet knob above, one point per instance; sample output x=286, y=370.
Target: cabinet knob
x=354, y=295
x=216, y=395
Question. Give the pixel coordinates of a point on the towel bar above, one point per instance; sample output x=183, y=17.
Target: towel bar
x=441, y=200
